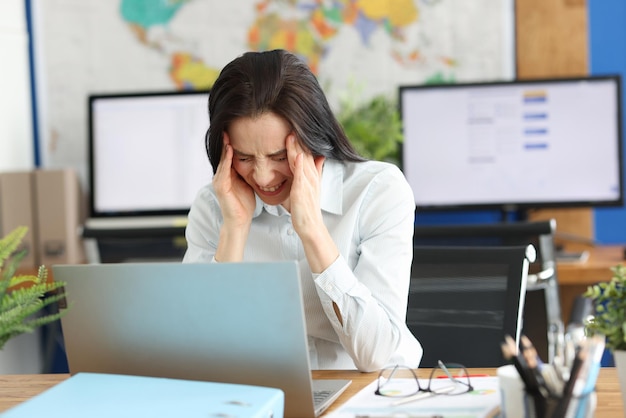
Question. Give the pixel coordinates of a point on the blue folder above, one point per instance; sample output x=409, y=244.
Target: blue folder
x=98, y=395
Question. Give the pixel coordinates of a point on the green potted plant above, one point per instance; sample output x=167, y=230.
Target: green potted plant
x=23, y=296
x=373, y=126
x=609, y=319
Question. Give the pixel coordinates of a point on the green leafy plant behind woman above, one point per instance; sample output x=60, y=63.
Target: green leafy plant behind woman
x=609, y=300
x=374, y=125
x=23, y=296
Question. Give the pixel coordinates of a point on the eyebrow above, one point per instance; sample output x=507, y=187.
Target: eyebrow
x=274, y=154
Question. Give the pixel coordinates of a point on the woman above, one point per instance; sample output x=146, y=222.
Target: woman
x=288, y=185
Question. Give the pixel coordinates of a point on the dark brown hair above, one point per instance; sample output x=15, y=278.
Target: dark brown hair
x=278, y=82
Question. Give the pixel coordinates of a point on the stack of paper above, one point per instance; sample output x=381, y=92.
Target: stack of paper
x=482, y=402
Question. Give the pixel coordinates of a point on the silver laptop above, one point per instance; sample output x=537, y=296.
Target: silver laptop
x=224, y=322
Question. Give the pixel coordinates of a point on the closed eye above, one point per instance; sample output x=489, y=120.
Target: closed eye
x=279, y=156
x=242, y=157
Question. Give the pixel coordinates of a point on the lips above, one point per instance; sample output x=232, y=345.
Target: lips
x=271, y=191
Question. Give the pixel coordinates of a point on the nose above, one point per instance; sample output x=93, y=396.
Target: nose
x=262, y=173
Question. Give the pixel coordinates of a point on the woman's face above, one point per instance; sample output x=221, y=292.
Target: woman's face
x=260, y=156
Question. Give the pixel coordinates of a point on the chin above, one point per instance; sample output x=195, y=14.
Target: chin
x=271, y=200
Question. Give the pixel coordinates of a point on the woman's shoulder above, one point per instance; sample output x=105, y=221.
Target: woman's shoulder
x=378, y=183
x=206, y=190
x=372, y=177
x=205, y=196
x=373, y=169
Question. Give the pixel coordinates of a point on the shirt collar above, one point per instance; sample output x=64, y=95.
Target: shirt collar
x=332, y=187
x=331, y=192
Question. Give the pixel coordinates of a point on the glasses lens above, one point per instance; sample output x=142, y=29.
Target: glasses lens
x=397, y=382
x=451, y=378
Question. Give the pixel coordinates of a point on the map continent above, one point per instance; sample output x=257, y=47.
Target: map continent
x=358, y=49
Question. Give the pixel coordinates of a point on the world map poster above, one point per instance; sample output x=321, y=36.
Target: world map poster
x=356, y=48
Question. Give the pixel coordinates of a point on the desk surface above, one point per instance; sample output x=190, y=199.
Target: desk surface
x=595, y=269
x=574, y=278
x=15, y=389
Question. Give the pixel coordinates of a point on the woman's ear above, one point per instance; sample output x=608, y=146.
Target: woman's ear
x=319, y=163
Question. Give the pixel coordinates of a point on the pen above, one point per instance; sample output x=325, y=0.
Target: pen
x=448, y=375
x=509, y=351
x=589, y=374
x=561, y=408
x=534, y=363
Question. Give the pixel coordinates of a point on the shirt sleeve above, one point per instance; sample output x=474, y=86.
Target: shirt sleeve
x=372, y=296
x=203, y=228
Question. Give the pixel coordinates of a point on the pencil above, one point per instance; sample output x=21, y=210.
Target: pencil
x=510, y=353
x=534, y=362
x=568, y=390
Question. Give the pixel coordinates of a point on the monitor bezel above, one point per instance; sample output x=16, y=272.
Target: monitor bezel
x=521, y=206
x=91, y=99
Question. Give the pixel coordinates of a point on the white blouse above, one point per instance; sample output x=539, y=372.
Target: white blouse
x=369, y=210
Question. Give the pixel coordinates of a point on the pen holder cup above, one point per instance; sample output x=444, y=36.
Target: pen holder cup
x=536, y=406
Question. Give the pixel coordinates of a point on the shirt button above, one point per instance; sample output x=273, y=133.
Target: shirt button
x=328, y=288
x=290, y=231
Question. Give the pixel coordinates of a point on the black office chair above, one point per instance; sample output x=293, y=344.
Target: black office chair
x=463, y=301
x=543, y=322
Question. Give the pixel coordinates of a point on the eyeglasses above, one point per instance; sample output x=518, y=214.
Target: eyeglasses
x=445, y=379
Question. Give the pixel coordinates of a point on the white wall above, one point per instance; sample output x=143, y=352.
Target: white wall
x=21, y=354
x=16, y=133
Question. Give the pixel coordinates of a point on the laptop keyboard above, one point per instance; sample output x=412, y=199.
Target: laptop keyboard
x=320, y=396
x=326, y=391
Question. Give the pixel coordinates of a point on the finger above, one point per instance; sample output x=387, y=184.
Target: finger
x=226, y=162
x=225, y=142
x=292, y=151
x=227, y=156
x=298, y=167
x=310, y=165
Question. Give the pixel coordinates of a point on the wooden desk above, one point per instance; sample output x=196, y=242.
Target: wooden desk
x=15, y=389
x=574, y=278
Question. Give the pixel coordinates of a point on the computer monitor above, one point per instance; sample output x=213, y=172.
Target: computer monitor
x=514, y=145
x=146, y=152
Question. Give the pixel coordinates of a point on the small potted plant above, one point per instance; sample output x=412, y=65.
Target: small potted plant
x=609, y=319
x=23, y=296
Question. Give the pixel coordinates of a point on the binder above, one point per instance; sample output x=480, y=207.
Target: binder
x=98, y=395
x=17, y=206
x=58, y=205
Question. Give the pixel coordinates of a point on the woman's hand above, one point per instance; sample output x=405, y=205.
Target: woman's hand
x=306, y=215
x=306, y=212
x=235, y=196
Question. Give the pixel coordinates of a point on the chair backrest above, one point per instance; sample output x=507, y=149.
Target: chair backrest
x=539, y=233
x=463, y=301
x=543, y=319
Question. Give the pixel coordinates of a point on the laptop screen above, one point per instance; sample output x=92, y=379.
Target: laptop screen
x=146, y=152
x=224, y=322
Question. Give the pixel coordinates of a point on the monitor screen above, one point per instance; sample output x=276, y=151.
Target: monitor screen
x=147, y=153
x=514, y=144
